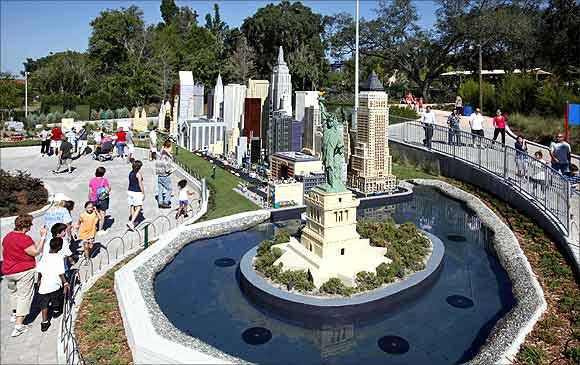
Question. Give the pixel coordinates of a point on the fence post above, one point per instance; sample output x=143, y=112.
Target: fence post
x=505, y=172
x=146, y=236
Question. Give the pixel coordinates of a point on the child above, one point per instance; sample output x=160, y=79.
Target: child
x=51, y=279
x=60, y=230
x=184, y=195
x=87, y=228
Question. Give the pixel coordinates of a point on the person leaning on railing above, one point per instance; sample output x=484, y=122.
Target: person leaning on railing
x=163, y=169
x=453, y=123
x=428, y=120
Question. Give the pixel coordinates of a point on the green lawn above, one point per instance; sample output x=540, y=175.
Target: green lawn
x=223, y=200
x=406, y=172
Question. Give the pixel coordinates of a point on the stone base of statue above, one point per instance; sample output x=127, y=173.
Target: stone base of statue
x=330, y=245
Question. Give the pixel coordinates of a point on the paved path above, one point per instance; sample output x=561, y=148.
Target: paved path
x=35, y=347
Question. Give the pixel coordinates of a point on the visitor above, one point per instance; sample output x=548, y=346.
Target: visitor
x=136, y=193
x=130, y=144
x=19, y=269
x=51, y=280
x=454, y=131
x=459, y=105
x=121, y=142
x=56, y=139
x=64, y=156
x=476, y=124
x=499, y=125
x=428, y=120
x=560, y=153
x=97, y=136
x=71, y=136
x=410, y=99
x=61, y=230
x=539, y=177
x=163, y=170
x=184, y=195
x=521, y=153
x=99, y=193
x=58, y=213
x=82, y=137
x=153, y=144
x=87, y=228
x=45, y=136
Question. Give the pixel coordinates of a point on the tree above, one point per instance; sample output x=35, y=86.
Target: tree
x=290, y=25
x=216, y=26
x=242, y=63
x=168, y=10
x=65, y=73
x=11, y=94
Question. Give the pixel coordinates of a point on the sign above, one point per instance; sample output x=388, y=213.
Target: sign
x=67, y=123
x=574, y=114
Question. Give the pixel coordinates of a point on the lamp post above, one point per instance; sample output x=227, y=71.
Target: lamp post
x=26, y=73
x=480, y=80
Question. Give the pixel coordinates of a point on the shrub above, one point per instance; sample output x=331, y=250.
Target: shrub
x=71, y=114
x=296, y=279
x=531, y=355
x=469, y=92
x=42, y=119
x=336, y=286
x=20, y=193
x=367, y=281
x=109, y=114
x=388, y=272
x=51, y=118
x=264, y=247
x=123, y=113
x=573, y=355
x=517, y=94
x=399, y=114
x=551, y=98
x=281, y=236
x=95, y=115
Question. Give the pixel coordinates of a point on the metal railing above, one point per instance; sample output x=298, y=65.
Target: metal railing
x=532, y=178
x=110, y=253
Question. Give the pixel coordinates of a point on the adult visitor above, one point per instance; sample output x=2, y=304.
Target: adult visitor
x=499, y=124
x=459, y=105
x=135, y=193
x=71, y=136
x=163, y=169
x=18, y=266
x=99, y=192
x=476, y=125
x=521, y=153
x=44, y=141
x=560, y=152
x=58, y=213
x=428, y=120
x=64, y=156
x=121, y=142
x=453, y=123
x=153, y=144
x=56, y=139
x=130, y=144
x=83, y=140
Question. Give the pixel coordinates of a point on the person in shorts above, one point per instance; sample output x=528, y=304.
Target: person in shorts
x=184, y=195
x=82, y=140
x=51, y=280
x=130, y=145
x=99, y=190
x=135, y=193
x=87, y=228
x=56, y=138
x=121, y=142
x=64, y=156
x=45, y=142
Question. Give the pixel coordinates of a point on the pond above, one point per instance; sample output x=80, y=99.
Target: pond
x=446, y=323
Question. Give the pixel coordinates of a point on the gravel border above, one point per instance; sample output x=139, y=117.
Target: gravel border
x=509, y=333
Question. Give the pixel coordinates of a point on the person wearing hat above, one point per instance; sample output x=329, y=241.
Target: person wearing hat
x=58, y=213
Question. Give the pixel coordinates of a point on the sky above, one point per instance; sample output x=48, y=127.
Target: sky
x=32, y=29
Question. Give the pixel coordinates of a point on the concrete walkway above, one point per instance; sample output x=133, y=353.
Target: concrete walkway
x=35, y=347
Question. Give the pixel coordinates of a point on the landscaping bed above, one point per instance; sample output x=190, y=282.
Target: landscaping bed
x=20, y=193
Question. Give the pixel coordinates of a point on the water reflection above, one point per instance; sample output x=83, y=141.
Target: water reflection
x=205, y=301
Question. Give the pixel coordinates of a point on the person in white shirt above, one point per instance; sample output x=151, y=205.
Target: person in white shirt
x=45, y=136
x=428, y=120
x=476, y=124
x=51, y=279
x=153, y=144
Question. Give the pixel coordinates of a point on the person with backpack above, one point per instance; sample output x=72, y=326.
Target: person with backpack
x=99, y=190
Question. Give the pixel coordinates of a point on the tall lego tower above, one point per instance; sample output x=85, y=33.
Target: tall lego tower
x=371, y=161
x=280, y=95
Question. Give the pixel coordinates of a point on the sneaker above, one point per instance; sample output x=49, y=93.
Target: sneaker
x=44, y=326
x=13, y=317
x=131, y=226
x=18, y=330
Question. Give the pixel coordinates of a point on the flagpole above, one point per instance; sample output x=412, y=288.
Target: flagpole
x=356, y=82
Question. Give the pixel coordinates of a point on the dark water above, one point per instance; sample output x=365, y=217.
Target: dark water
x=446, y=324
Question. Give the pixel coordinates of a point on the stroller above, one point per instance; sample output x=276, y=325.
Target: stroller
x=104, y=152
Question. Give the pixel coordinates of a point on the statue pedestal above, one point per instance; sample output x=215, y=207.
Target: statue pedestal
x=330, y=245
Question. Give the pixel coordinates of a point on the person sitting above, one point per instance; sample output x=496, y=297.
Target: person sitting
x=573, y=177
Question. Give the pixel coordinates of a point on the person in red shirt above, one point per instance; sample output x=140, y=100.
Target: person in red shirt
x=56, y=139
x=19, y=268
x=121, y=142
x=499, y=125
